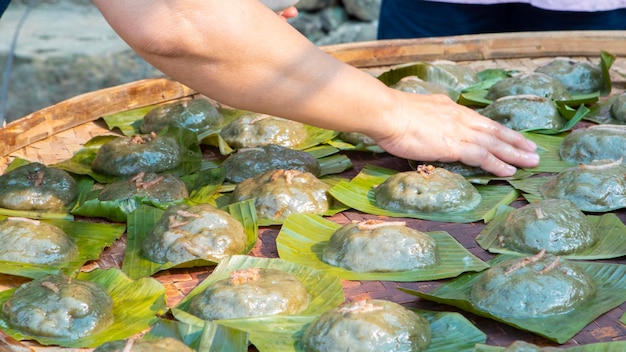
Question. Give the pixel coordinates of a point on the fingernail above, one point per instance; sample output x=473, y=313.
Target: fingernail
x=511, y=170
x=534, y=157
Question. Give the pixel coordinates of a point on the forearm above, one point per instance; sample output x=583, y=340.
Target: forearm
x=243, y=55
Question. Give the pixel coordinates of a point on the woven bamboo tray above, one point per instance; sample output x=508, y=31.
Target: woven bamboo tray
x=55, y=133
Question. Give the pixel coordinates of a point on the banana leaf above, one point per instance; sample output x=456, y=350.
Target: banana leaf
x=128, y=122
x=609, y=228
x=90, y=238
x=548, y=149
x=141, y=222
x=202, y=185
x=324, y=290
x=336, y=207
x=606, y=61
x=302, y=239
x=316, y=136
x=451, y=332
x=530, y=186
x=80, y=162
x=601, y=112
x=427, y=72
x=573, y=117
x=135, y=307
x=614, y=346
x=610, y=281
x=359, y=194
x=361, y=147
x=209, y=336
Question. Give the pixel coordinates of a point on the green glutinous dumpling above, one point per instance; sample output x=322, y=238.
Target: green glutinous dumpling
x=379, y=246
x=251, y=292
x=196, y=115
x=578, y=77
x=280, y=193
x=529, y=287
x=60, y=307
x=597, y=186
x=36, y=242
x=250, y=162
x=524, y=112
x=373, y=325
x=189, y=232
x=158, y=188
x=599, y=142
x=428, y=189
x=556, y=225
x=533, y=83
x=128, y=156
x=254, y=130
x=35, y=186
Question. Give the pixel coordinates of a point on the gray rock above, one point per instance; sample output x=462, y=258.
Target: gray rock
x=365, y=10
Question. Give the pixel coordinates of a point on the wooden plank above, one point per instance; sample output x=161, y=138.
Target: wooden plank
x=480, y=47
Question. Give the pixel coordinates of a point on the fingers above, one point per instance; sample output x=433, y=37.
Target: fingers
x=289, y=12
x=498, y=151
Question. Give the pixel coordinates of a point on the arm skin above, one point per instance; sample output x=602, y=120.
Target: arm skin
x=241, y=54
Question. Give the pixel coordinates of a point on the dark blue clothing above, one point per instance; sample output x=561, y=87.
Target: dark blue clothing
x=418, y=18
x=3, y=6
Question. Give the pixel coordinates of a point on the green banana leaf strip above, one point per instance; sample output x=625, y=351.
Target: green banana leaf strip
x=209, y=336
x=426, y=72
x=530, y=185
x=128, y=122
x=80, y=162
x=303, y=236
x=606, y=61
x=135, y=307
x=475, y=95
x=90, y=238
x=343, y=145
x=611, y=292
x=35, y=214
x=334, y=164
x=614, y=346
x=475, y=98
x=548, y=149
x=15, y=163
x=141, y=222
x=359, y=194
x=609, y=228
x=573, y=116
x=451, y=332
x=325, y=290
x=601, y=112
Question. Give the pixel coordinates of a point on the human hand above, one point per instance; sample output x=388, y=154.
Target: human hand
x=434, y=128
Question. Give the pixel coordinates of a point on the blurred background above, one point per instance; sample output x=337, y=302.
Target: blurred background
x=65, y=47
